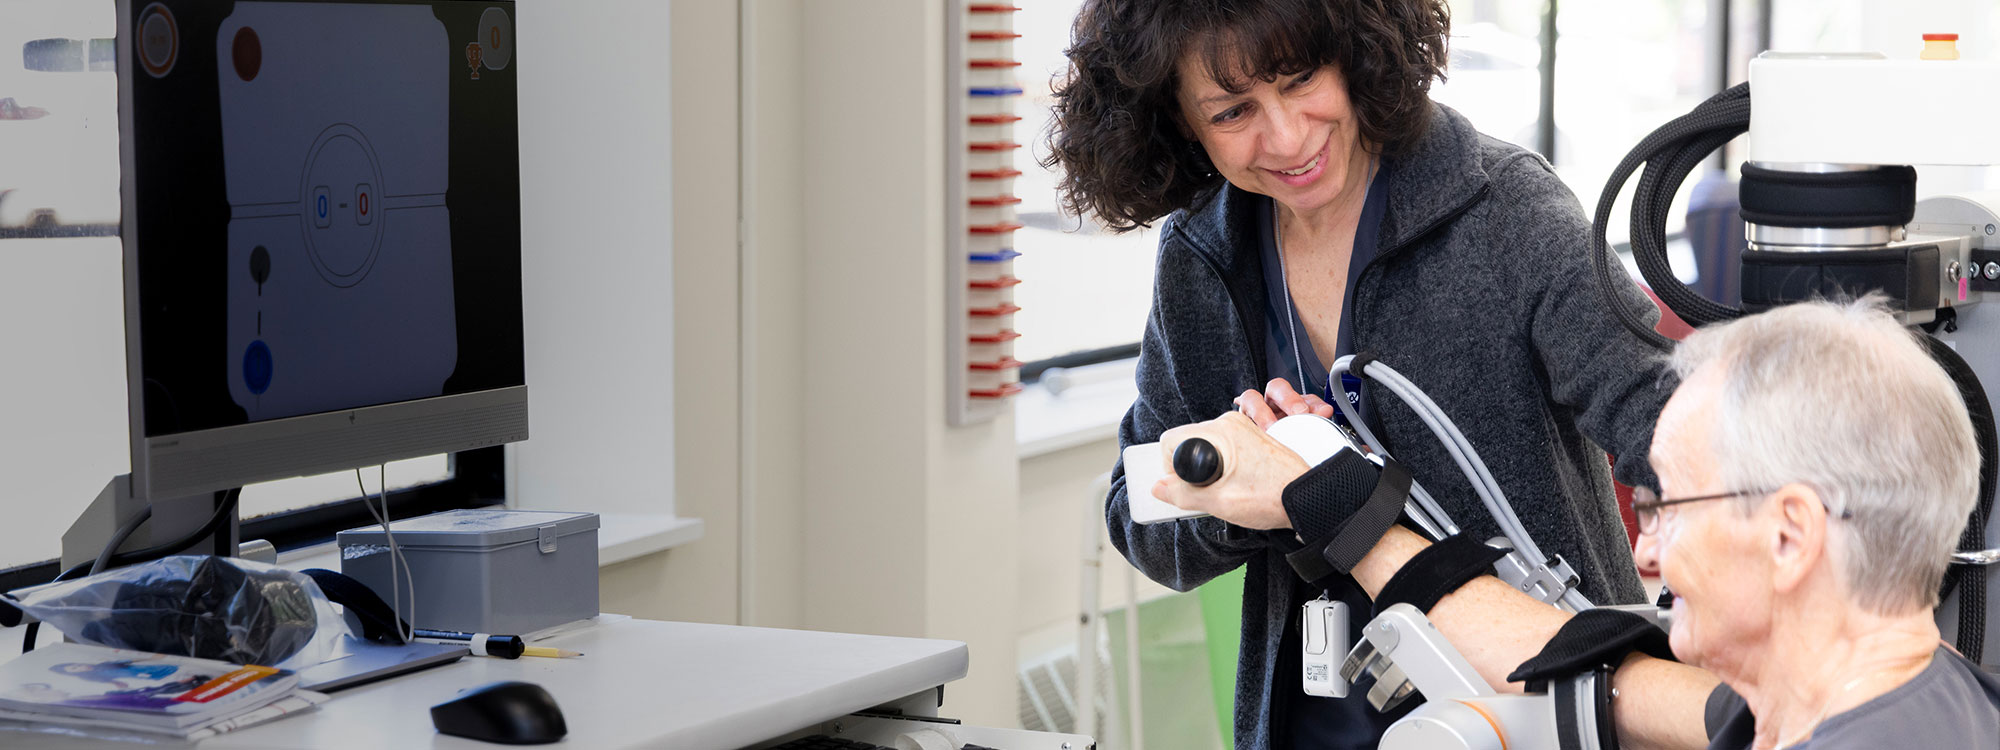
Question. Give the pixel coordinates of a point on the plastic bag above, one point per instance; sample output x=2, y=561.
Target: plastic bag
x=238, y=611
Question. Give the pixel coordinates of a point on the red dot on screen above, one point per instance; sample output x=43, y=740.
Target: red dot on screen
x=248, y=53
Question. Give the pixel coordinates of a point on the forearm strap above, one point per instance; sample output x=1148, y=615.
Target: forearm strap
x=1594, y=638
x=1341, y=508
x=1436, y=571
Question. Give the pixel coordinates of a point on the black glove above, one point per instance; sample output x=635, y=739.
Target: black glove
x=1594, y=638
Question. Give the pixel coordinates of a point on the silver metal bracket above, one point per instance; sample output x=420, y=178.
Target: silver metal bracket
x=1548, y=581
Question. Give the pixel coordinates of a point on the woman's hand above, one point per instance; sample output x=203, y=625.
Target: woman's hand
x=1255, y=470
x=1279, y=401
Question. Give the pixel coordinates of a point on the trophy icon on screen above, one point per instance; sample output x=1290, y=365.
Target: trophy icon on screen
x=472, y=59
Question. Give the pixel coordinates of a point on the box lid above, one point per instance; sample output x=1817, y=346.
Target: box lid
x=473, y=528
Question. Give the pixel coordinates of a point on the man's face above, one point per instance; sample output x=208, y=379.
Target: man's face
x=1707, y=552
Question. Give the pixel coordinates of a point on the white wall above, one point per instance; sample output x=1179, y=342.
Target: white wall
x=809, y=347
x=62, y=387
x=909, y=523
x=698, y=582
x=774, y=315
x=596, y=204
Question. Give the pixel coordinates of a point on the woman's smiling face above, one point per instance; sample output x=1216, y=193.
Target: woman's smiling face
x=1293, y=138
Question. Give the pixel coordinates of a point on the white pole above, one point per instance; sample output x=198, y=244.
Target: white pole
x=1085, y=690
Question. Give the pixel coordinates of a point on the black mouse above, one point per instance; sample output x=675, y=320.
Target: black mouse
x=510, y=713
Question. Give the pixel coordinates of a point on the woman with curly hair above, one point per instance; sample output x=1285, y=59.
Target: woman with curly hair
x=1317, y=203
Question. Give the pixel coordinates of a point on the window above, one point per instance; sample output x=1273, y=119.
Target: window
x=1621, y=70
x=1086, y=290
x=63, y=423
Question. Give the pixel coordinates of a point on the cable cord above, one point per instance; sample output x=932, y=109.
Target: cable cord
x=1468, y=458
x=1668, y=154
x=103, y=561
x=1529, y=554
x=1433, y=518
x=406, y=627
x=109, y=558
x=1453, y=445
x=1462, y=453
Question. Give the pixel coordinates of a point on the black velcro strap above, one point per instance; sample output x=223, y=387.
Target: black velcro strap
x=1591, y=639
x=1569, y=736
x=1436, y=571
x=378, y=621
x=1366, y=527
x=1310, y=561
x=1321, y=500
x=1607, y=726
x=1360, y=362
x=1341, y=508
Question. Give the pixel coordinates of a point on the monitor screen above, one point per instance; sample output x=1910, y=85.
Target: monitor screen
x=322, y=218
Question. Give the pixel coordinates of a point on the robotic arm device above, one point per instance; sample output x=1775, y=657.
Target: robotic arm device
x=1829, y=202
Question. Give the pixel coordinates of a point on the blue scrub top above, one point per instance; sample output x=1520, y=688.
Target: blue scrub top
x=1308, y=721
x=1279, y=359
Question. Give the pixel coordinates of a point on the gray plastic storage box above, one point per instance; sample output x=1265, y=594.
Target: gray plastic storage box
x=485, y=571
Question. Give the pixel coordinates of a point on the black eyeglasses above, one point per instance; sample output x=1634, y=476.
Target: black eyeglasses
x=1646, y=505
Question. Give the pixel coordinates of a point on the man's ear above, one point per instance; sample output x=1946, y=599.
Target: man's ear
x=1798, y=535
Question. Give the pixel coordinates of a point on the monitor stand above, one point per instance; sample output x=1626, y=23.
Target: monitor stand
x=172, y=519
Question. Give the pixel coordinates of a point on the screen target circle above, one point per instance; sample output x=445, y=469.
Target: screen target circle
x=158, y=40
x=496, y=39
x=342, y=175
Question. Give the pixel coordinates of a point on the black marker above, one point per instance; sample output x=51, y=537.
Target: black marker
x=503, y=646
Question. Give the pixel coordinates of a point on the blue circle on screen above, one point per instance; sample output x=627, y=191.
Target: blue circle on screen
x=257, y=367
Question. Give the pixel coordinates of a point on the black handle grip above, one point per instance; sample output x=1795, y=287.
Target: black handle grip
x=1197, y=462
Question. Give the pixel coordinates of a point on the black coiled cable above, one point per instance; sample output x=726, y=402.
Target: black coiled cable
x=1668, y=154
x=1970, y=580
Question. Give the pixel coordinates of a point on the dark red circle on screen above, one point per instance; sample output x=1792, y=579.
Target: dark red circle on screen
x=248, y=53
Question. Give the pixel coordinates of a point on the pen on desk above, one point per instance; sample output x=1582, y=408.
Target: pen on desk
x=503, y=646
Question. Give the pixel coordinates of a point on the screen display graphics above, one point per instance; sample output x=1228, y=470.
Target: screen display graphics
x=323, y=206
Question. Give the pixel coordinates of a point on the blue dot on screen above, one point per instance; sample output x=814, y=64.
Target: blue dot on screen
x=257, y=367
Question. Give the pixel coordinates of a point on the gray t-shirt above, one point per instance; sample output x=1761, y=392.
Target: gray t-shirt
x=1951, y=704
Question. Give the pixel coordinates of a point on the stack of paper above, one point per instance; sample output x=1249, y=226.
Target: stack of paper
x=85, y=685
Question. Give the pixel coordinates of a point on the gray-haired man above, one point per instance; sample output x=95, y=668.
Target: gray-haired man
x=1818, y=469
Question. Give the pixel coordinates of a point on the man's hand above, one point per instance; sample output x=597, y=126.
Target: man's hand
x=1279, y=401
x=1255, y=470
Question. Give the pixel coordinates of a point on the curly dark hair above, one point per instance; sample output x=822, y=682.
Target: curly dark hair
x=1117, y=130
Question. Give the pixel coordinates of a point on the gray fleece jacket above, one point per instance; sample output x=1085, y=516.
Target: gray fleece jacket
x=1483, y=294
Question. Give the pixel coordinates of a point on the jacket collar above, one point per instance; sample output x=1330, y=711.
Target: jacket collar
x=1432, y=183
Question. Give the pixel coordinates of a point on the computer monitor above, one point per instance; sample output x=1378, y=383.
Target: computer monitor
x=322, y=236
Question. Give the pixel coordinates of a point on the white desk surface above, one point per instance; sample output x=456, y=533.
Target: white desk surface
x=640, y=684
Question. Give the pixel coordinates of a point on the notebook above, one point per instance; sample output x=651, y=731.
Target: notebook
x=76, y=683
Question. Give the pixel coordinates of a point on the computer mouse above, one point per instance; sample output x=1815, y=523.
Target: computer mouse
x=510, y=713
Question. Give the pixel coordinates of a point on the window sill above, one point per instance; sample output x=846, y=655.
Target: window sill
x=620, y=537
x=1079, y=406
